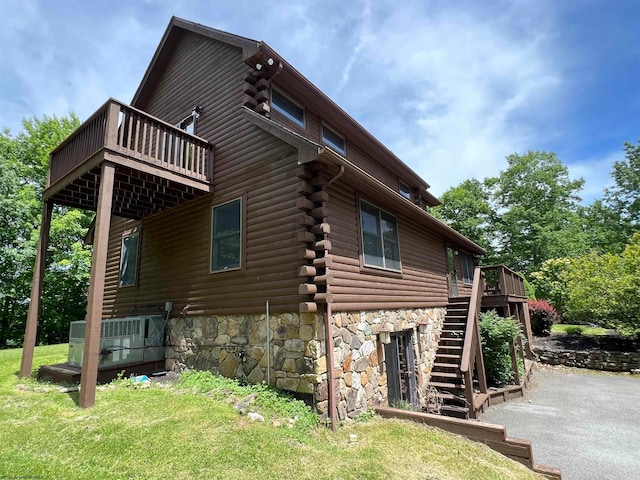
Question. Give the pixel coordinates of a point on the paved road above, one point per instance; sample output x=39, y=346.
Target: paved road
x=588, y=425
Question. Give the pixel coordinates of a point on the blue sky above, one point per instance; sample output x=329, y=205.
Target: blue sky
x=452, y=87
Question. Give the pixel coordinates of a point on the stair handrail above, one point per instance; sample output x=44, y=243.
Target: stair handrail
x=471, y=337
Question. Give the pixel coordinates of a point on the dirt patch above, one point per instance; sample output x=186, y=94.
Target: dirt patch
x=561, y=342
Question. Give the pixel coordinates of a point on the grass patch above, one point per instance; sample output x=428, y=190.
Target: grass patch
x=191, y=430
x=578, y=329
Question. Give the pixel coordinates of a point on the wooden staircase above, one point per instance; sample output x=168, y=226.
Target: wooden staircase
x=446, y=376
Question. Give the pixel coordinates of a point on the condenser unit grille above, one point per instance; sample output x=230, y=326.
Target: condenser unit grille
x=122, y=340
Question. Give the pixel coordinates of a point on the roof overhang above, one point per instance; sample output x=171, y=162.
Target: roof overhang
x=311, y=151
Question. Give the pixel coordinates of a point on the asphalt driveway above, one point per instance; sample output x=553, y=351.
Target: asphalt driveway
x=588, y=425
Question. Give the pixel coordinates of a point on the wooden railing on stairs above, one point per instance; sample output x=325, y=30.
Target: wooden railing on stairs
x=125, y=130
x=472, y=349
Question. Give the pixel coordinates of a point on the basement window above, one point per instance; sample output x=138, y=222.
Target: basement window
x=287, y=107
x=380, y=245
x=129, y=260
x=226, y=227
x=334, y=140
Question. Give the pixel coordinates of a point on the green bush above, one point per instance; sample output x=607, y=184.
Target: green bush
x=543, y=316
x=574, y=330
x=496, y=332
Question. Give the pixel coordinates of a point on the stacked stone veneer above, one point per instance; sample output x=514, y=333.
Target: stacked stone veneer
x=361, y=378
x=236, y=346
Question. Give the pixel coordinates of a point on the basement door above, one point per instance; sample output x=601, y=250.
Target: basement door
x=401, y=368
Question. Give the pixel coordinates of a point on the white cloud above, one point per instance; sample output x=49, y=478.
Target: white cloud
x=596, y=172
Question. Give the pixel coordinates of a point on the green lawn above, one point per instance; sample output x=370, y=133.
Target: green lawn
x=586, y=330
x=173, y=432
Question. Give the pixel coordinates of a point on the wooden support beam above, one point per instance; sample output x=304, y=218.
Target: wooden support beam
x=263, y=107
x=306, y=237
x=306, y=253
x=262, y=84
x=305, y=204
x=319, y=181
x=95, y=296
x=31, y=329
x=249, y=89
x=323, y=262
x=262, y=96
x=323, y=297
x=307, y=289
x=304, y=188
x=322, y=245
x=307, y=271
x=307, y=307
x=322, y=279
x=319, y=196
x=321, y=229
x=303, y=172
x=305, y=220
x=320, y=212
x=249, y=102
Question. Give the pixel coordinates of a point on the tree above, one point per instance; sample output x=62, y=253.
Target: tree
x=624, y=196
x=23, y=168
x=536, y=204
x=466, y=208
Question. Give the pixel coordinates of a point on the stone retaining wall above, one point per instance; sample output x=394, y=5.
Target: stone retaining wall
x=593, y=359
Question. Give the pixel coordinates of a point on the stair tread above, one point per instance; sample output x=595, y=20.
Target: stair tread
x=445, y=365
x=447, y=385
x=448, y=355
x=446, y=375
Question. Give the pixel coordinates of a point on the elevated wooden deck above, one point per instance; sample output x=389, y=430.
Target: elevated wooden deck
x=157, y=164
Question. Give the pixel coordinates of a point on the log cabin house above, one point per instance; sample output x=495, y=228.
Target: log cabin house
x=282, y=240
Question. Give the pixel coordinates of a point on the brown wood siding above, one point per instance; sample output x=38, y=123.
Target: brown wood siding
x=175, y=249
x=423, y=282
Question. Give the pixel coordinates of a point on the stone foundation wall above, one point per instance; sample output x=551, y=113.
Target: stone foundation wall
x=236, y=346
x=595, y=359
x=361, y=378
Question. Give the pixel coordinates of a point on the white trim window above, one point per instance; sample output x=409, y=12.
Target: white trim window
x=287, y=107
x=380, y=247
x=129, y=260
x=334, y=140
x=226, y=236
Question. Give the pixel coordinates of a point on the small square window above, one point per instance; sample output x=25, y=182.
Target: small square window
x=129, y=260
x=404, y=190
x=334, y=140
x=287, y=107
x=226, y=239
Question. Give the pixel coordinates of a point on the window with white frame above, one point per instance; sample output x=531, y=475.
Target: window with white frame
x=334, y=140
x=226, y=236
x=287, y=107
x=467, y=267
x=129, y=260
x=380, y=246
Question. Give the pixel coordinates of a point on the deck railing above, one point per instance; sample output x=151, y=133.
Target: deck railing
x=472, y=350
x=501, y=280
x=128, y=131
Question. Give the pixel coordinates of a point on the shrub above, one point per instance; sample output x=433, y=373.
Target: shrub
x=542, y=316
x=574, y=330
x=496, y=333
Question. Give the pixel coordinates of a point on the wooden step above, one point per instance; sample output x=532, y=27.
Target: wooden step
x=454, y=326
x=445, y=366
x=455, y=375
x=454, y=411
x=450, y=349
x=448, y=357
x=448, y=386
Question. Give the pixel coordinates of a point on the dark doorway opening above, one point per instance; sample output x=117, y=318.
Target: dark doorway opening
x=401, y=368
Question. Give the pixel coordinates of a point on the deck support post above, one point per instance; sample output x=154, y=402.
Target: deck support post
x=95, y=295
x=31, y=328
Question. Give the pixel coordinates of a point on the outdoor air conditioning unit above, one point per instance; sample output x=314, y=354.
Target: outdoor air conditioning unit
x=123, y=341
